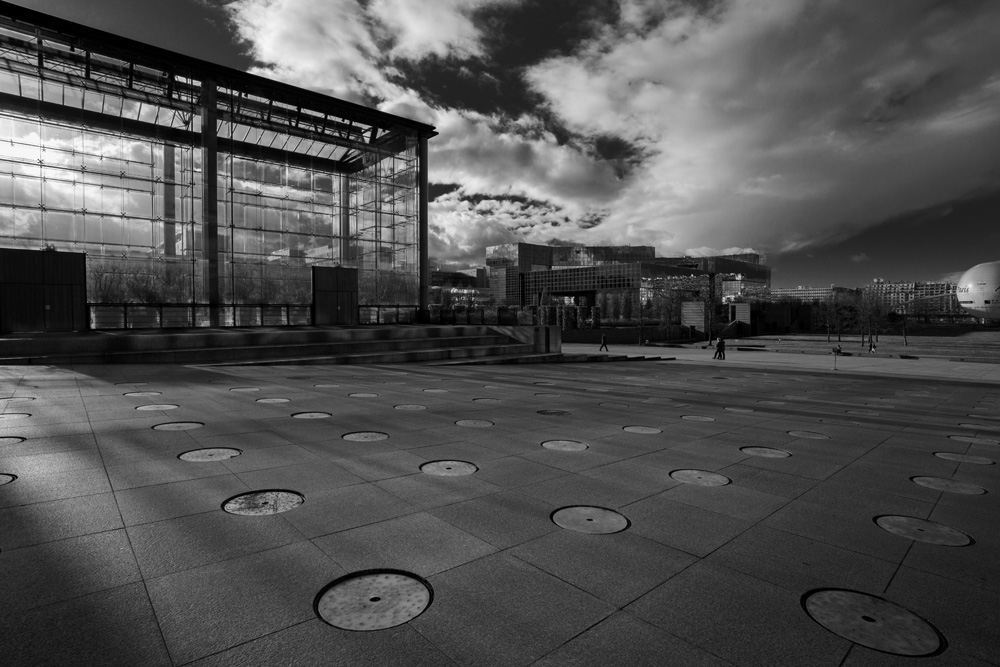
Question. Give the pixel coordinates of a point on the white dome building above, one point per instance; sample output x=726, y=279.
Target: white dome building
x=979, y=290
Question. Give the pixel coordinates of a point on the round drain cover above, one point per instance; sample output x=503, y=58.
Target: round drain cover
x=555, y=413
x=475, y=423
x=272, y=400
x=210, y=454
x=949, y=485
x=740, y=409
x=923, y=530
x=564, y=445
x=546, y=383
x=976, y=426
x=311, y=415
x=588, y=519
x=700, y=477
x=244, y=389
x=11, y=416
x=259, y=503
x=142, y=393
x=326, y=385
x=436, y=391
x=365, y=436
x=698, y=418
x=157, y=406
x=871, y=413
x=11, y=440
x=964, y=458
x=6, y=478
x=766, y=452
x=410, y=407
x=975, y=440
x=486, y=400
x=363, y=395
x=448, y=468
x=373, y=600
x=178, y=426
x=615, y=405
x=648, y=430
x=16, y=399
x=873, y=622
x=811, y=435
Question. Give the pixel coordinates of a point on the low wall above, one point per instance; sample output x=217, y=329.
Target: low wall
x=542, y=339
x=628, y=335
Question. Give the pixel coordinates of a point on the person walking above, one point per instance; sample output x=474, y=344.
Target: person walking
x=720, y=349
x=604, y=344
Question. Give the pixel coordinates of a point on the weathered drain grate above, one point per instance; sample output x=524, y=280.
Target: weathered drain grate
x=209, y=454
x=545, y=395
x=647, y=430
x=449, y=468
x=11, y=440
x=548, y=384
x=873, y=622
x=244, y=389
x=178, y=426
x=363, y=395
x=964, y=458
x=811, y=435
x=975, y=440
x=410, y=406
x=365, y=436
x=949, y=485
x=766, y=452
x=475, y=423
x=564, y=445
x=272, y=400
x=590, y=519
x=698, y=418
x=260, y=503
x=157, y=406
x=6, y=478
x=142, y=393
x=923, y=530
x=555, y=413
x=310, y=415
x=326, y=386
x=486, y=400
x=700, y=477
x=373, y=600
x=12, y=416
x=436, y=391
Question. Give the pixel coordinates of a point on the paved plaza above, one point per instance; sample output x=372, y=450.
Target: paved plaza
x=685, y=512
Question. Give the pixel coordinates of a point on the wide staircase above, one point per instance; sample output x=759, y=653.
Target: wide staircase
x=279, y=345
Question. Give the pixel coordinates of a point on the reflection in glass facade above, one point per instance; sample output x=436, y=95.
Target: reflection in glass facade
x=190, y=183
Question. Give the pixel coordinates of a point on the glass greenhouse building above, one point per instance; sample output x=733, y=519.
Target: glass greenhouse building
x=203, y=190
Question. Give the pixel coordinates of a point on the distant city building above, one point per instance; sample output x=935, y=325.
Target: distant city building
x=916, y=297
x=808, y=294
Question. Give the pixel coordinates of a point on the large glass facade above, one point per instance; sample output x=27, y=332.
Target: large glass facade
x=189, y=183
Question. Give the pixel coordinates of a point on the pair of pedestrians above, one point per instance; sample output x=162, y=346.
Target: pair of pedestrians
x=720, y=349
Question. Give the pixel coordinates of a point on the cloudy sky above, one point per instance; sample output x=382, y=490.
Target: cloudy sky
x=843, y=139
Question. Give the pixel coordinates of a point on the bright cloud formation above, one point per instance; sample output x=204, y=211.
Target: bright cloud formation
x=775, y=126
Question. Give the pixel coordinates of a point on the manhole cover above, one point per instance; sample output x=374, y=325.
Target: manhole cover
x=976, y=426
x=410, y=406
x=698, y=418
x=873, y=622
x=436, y=391
x=363, y=395
x=486, y=400
x=209, y=454
x=811, y=435
x=157, y=406
x=246, y=389
x=923, y=530
x=648, y=430
x=490, y=386
x=16, y=399
x=311, y=415
x=325, y=386
x=949, y=485
x=975, y=440
x=11, y=440
x=740, y=409
x=365, y=436
x=11, y=416
x=6, y=478
x=178, y=426
x=475, y=423
x=964, y=458
x=700, y=477
x=448, y=468
x=766, y=452
x=555, y=413
x=564, y=445
x=373, y=600
x=272, y=400
x=259, y=503
x=870, y=413
x=588, y=519
x=142, y=393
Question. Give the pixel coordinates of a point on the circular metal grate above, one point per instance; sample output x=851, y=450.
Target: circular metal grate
x=873, y=622
x=365, y=436
x=209, y=454
x=157, y=406
x=555, y=413
x=564, y=445
x=324, y=386
x=923, y=530
x=949, y=485
x=964, y=458
x=373, y=600
x=766, y=452
x=647, y=430
x=363, y=395
x=178, y=426
x=436, y=391
x=142, y=393
x=700, y=477
x=698, y=418
x=589, y=519
x=11, y=416
x=410, y=406
x=260, y=503
x=244, y=389
x=475, y=423
x=449, y=468
x=273, y=400
x=487, y=400
x=975, y=440
x=6, y=478
x=11, y=440
x=311, y=415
